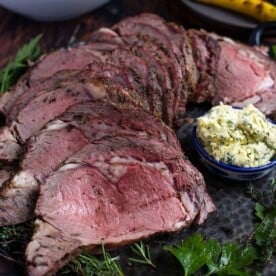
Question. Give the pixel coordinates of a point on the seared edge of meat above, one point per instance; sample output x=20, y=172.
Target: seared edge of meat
x=17, y=198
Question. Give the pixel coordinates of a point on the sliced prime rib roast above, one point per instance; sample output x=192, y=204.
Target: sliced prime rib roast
x=122, y=145
x=205, y=52
x=64, y=62
x=163, y=48
x=114, y=191
x=69, y=132
x=39, y=111
x=146, y=93
x=29, y=87
x=251, y=67
x=236, y=74
x=10, y=149
x=174, y=41
x=46, y=66
x=48, y=104
x=142, y=65
x=197, y=54
x=45, y=152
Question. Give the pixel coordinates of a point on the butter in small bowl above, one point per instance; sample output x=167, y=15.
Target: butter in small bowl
x=234, y=143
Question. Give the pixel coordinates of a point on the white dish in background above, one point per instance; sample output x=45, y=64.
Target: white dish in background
x=220, y=15
x=51, y=10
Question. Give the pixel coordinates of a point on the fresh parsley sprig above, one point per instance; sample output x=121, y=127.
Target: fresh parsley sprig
x=11, y=72
x=195, y=253
x=264, y=234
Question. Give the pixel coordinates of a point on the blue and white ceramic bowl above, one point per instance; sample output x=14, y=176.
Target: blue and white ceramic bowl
x=225, y=170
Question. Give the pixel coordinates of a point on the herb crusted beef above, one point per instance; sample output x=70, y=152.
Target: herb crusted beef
x=96, y=162
x=116, y=190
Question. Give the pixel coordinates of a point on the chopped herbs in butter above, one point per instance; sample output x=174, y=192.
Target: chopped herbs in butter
x=241, y=137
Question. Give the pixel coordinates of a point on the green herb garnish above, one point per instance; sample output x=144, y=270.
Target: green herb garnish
x=13, y=240
x=210, y=256
x=195, y=253
x=11, y=72
x=264, y=235
x=86, y=264
x=142, y=250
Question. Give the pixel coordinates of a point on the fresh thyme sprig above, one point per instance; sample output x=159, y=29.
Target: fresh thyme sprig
x=11, y=72
x=142, y=250
x=14, y=233
x=86, y=264
x=13, y=240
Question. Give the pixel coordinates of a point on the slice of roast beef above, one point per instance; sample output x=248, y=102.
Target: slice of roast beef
x=166, y=96
x=155, y=28
x=189, y=70
x=47, y=236
x=158, y=76
x=182, y=51
x=150, y=150
x=170, y=89
x=63, y=59
x=36, y=89
x=245, y=75
x=46, y=66
x=69, y=58
x=45, y=108
x=100, y=70
x=206, y=52
x=10, y=149
x=97, y=120
x=17, y=198
x=50, y=147
x=138, y=69
x=6, y=174
x=265, y=102
x=44, y=153
x=118, y=191
x=118, y=74
x=51, y=104
x=133, y=31
x=7, y=99
x=124, y=57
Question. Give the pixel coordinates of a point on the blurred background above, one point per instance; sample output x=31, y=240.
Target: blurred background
x=16, y=29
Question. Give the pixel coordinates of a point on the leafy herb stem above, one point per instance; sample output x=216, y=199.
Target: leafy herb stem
x=112, y=263
x=11, y=72
x=142, y=250
x=86, y=264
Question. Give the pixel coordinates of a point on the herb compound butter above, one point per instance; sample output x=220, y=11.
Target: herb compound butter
x=241, y=137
